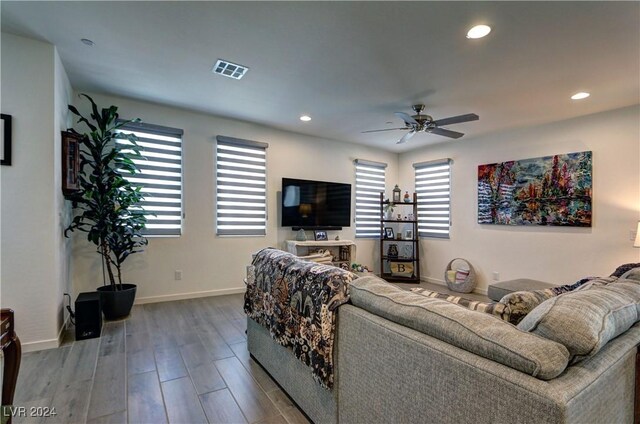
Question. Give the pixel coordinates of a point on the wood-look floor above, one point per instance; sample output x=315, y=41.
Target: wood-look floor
x=177, y=362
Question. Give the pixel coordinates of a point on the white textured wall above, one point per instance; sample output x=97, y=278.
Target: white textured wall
x=62, y=208
x=209, y=262
x=558, y=255
x=32, y=273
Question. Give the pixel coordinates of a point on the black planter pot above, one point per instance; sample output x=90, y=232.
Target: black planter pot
x=117, y=304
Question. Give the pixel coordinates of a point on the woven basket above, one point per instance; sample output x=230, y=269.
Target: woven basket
x=468, y=284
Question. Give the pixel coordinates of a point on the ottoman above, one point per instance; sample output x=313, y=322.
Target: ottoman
x=498, y=290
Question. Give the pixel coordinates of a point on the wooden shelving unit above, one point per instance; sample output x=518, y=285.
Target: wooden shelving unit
x=387, y=262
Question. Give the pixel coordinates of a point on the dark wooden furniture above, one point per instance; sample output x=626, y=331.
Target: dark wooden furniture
x=12, y=351
x=405, y=209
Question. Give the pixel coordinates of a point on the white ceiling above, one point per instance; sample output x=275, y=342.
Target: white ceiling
x=350, y=65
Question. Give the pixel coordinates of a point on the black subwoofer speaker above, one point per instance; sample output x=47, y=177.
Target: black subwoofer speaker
x=88, y=316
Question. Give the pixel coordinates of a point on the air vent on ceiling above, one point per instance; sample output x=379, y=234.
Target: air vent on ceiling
x=228, y=69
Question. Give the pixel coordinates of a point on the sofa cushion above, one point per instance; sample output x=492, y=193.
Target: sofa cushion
x=476, y=332
x=585, y=320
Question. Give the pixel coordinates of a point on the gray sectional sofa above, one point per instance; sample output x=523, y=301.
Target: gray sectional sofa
x=404, y=358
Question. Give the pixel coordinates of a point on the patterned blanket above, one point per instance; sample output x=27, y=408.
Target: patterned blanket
x=297, y=300
x=513, y=307
x=493, y=308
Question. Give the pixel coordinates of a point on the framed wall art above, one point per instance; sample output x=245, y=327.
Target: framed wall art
x=320, y=235
x=70, y=162
x=5, y=140
x=551, y=190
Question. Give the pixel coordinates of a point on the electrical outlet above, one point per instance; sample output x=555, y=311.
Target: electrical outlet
x=177, y=274
x=496, y=276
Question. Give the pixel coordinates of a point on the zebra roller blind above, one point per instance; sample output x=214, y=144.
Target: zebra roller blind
x=370, y=181
x=241, y=191
x=160, y=176
x=433, y=187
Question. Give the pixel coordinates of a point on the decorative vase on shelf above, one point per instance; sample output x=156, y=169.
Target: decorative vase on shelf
x=301, y=235
x=407, y=198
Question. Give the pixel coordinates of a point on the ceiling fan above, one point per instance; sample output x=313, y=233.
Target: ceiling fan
x=425, y=123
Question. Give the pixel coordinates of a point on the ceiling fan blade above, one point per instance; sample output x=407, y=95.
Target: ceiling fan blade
x=445, y=132
x=406, y=137
x=457, y=119
x=386, y=129
x=408, y=119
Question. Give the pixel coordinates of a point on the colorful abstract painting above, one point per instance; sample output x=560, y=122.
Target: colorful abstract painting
x=552, y=190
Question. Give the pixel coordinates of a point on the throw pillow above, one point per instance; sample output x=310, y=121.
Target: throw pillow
x=632, y=274
x=521, y=303
x=624, y=268
x=584, y=321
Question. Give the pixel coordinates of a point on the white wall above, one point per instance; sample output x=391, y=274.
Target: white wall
x=62, y=98
x=217, y=264
x=32, y=276
x=558, y=255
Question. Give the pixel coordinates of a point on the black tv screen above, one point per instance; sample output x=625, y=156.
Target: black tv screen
x=315, y=204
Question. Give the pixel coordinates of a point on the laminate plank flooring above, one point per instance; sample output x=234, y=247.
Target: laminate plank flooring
x=253, y=401
x=177, y=362
x=144, y=403
x=108, y=394
x=221, y=408
x=183, y=404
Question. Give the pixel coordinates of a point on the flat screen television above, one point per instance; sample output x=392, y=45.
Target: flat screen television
x=315, y=204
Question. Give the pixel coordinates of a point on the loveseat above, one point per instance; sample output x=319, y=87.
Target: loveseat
x=402, y=357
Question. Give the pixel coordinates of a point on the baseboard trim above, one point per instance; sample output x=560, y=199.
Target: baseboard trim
x=40, y=345
x=477, y=290
x=46, y=344
x=192, y=295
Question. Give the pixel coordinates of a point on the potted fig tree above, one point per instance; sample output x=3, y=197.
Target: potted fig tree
x=105, y=204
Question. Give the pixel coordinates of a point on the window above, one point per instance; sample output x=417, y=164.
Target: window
x=433, y=187
x=370, y=181
x=241, y=191
x=160, y=176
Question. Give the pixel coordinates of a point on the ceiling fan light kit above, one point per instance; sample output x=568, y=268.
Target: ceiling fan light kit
x=425, y=123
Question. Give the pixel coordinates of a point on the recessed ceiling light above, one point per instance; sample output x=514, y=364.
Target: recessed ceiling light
x=87, y=42
x=479, y=31
x=305, y=118
x=581, y=95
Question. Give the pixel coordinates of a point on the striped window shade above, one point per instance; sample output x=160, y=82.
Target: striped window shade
x=370, y=181
x=433, y=187
x=160, y=176
x=241, y=190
